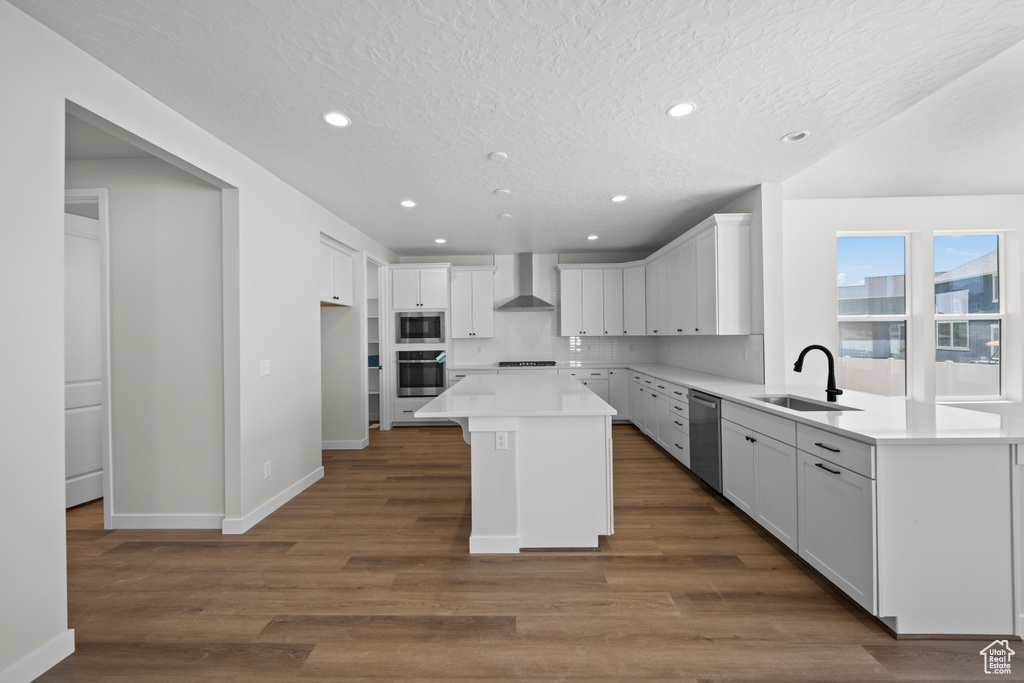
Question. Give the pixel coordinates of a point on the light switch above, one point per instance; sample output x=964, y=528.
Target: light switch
x=264, y=368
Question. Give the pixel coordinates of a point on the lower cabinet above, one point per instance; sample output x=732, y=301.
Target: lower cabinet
x=636, y=401
x=680, y=447
x=619, y=383
x=738, y=466
x=837, y=526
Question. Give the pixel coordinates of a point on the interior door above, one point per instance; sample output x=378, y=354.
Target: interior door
x=86, y=436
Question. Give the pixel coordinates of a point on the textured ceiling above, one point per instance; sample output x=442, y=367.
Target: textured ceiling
x=573, y=91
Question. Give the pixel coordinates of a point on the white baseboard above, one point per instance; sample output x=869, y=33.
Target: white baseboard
x=83, y=488
x=240, y=526
x=42, y=660
x=212, y=521
x=346, y=445
x=493, y=544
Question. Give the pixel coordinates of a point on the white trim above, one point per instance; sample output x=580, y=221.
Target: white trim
x=42, y=660
x=192, y=521
x=495, y=545
x=350, y=445
x=83, y=488
x=240, y=526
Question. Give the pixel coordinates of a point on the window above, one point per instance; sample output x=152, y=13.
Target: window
x=968, y=317
x=871, y=276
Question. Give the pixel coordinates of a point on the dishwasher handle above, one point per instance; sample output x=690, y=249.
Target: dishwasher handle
x=704, y=402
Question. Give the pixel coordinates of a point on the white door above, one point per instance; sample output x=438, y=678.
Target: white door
x=434, y=288
x=405, y=289
x=86, y=424
x=738, y=466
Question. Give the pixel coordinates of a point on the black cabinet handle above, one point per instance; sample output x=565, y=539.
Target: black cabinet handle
x=750, y=439
x=334, y=297
x=678, y=393
x=679, y=447
x=832, y=450
x=678, y=423
x=679, y=330
x=655, y=332
x=647, y=381
x=818, y=464
x=660, y=386
x=679, y=407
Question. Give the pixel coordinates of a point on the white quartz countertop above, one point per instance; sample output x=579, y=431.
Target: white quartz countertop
x=516, y=396
x=877, y=419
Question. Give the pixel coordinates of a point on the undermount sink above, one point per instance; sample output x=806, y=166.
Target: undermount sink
x=798, y=403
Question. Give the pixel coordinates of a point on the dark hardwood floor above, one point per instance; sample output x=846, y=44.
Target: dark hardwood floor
x=367, y=576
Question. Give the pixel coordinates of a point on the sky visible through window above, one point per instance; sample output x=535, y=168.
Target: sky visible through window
x=861, y=257
x=955, y=250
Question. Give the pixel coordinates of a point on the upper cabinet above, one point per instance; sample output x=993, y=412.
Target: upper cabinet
x=634, y=300
x=612, y=312
x=582, y=305
x=335, y=273
x=657, y=296
x=472, y=302
x=419, y=287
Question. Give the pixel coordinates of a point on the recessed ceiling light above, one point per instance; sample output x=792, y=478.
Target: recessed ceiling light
x=796, y=136
x=440, y=240
x=619, y=198
x=408, y=203
x=682, y=109
x=505, y=215
x=501, y=191
x=497, y=156
x=337, y=119
x=592, y=237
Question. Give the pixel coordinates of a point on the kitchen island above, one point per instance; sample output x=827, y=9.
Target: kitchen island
x=541, y=460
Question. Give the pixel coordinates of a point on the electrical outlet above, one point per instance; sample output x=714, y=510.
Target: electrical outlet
x=501, y=441
x=264, y=368
x=266, y=470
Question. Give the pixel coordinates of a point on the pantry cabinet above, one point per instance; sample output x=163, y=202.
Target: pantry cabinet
x=335, y=273
x=472, y=300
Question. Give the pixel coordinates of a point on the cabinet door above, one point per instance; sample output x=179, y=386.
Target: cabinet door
x=462, y=304
x=837, y=526
x=674, y=278
x=651, y=414
x=680, y=447
x=326, y=274
x=342, y=280
x=618, y=392
x=434, y=288
x=405, y=289
x=634, y=300
x=636, y=405
x=613, y=320
x=599, y=387
x=707, y=283
x=570, y=306
x=483, y=303
x=592, y=315
x=738, y=466
x=656, y=286
x=664, y=413
x=775, y=488
x=688, y=286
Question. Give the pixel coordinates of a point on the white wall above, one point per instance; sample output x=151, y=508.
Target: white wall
x=809, y=276
x=167, y=375
x=271, y=308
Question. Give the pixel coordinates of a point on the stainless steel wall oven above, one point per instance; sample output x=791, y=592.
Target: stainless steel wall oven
x=419, y=373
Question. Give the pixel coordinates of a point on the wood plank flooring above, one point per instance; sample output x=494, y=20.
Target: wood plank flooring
x=367, y=576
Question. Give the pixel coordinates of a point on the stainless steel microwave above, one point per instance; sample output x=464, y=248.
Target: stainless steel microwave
x=421, y=327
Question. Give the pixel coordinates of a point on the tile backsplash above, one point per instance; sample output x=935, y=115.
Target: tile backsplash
x=534, y=335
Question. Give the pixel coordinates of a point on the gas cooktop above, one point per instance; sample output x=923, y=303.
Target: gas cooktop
x=526, y=363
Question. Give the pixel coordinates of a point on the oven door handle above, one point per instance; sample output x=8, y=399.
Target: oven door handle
x=420, y=361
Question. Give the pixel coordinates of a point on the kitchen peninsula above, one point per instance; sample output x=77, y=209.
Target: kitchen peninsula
x=541, y=460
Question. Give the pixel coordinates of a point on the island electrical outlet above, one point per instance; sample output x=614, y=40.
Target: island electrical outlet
x=501, y=441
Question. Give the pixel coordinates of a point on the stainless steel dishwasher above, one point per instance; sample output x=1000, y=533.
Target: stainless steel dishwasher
x=706, y=438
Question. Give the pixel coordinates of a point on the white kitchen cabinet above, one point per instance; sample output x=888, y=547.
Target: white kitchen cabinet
x=707, y=284
x=738, y=466
x=837, y=526
x=680, y=447
x=657, y=296
x=634, y=300
x=723, y=275
x=651, y=413
x=676, y=294
x=595, y=379
x=455, y=376
x=472, y=302
x=687, y=294
x=619, y=384
x=636, y=401
x=582, y=304
x=419, y=288
x=335, y=273
x=614, y=324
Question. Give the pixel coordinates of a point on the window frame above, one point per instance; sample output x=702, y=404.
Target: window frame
x=904, y=318
x=967, y=318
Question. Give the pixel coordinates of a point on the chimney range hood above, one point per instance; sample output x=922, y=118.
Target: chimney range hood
x=525, y=300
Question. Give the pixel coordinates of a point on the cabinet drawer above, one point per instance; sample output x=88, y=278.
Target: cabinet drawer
x=586, y=373
x=778, y=428
x=677, y=392
x=456, y=375
x=679, y=446
x=680, y=409
x=853, y=455
x=680, y=422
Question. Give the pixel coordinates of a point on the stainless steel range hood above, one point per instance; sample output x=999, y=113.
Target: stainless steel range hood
x=525, y=300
